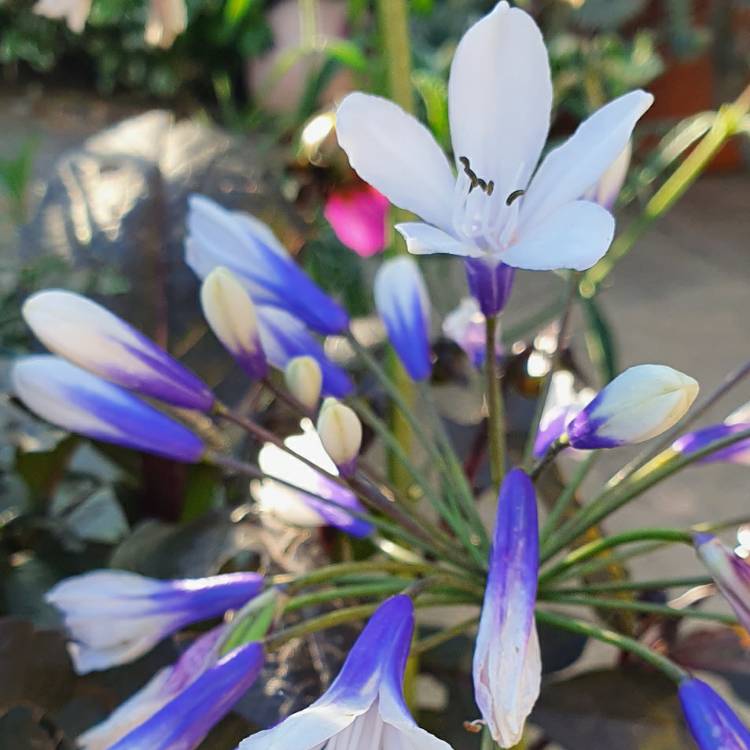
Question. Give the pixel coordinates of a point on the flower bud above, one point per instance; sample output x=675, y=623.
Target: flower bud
x=231, y=314
x=78, y=401
x=404, y=307
x=712, y=722
x=606, y=191
x=637, y=405
x=341, y=434
x=466, y=325
x=490, y=283
x=95, y=339
x=730, y=572
x=304, y=379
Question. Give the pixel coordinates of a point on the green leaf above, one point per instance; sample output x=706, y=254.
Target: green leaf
x=434, y=92
x=348, y=53
x=42, y=470
x=236, y=10
x=204, y=491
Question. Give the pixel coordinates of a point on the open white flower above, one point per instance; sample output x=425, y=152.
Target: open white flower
x=498, y=208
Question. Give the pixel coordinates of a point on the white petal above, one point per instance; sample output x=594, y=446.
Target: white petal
x=500, y=96
x=397, y=155
x=568, y=171
x=423, y=239
x=574, y=236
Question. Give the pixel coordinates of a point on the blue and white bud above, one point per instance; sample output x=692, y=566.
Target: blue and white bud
x=341, y=434
x=730, y=572
x=507, y=662
x=364, y=708
x=713, y=724
x=404, y=306
x=113, y=617
x=78, y=401
x=184, y=722
x=230, y=312
x=90, y=336
x=490, y=283
x=304, y=379
x=248, y=248
x=738, y=453
x=318, y=501
x=637, y=405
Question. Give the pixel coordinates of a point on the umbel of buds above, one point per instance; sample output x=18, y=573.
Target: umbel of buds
x=341, y=434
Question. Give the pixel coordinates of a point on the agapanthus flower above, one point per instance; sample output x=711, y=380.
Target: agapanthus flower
x=78, y=401
x=730, y=571
x=466, y=325
x=90, y=336
x=403, y=304
x=302, y=507
x=498, y=206
x=364, y=708
x=358, y=216
x=248, y=248
x=113, y=616
x=640, y=403
x=507, y=661
x=712, y=722
x=184, y=722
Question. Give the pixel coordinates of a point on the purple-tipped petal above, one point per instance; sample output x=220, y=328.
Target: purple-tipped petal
x=90, y=336
x=490, y=284
x=78, y=401
x=507, y=666
x=404, y=307
x=185, y=721
x=731, y=573
x=364, y=707
x=739, y=453
x=114, y=616
x=248, y=248
x=712, y=722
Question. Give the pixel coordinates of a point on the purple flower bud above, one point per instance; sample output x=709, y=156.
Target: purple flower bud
x=248, y=248
x=739, y=453
x=490, y=283
x=114, y=617
x=507, y=662
x=466, y=325
x=90, y=336
x=78, y=401
x=712, y=722
x=404, y=307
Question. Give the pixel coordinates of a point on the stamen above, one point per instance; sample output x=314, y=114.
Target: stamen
x=485, y=186
x=515, y=195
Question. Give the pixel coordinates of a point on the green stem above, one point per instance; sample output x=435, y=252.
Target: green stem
x=332, y=573
x=668, y=667
x=495, y=406
x=393, y=16
x=633, y=606
x=433, y=641
x=566, y=497
x=391, y=586
x=615, y=586
x=593, y=549
x=661, y=467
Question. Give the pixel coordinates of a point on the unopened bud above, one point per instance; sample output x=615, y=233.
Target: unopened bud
x=304, y=379
x=341, y=434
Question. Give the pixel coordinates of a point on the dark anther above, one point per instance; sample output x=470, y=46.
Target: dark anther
x=514, y=196
x=483, y=185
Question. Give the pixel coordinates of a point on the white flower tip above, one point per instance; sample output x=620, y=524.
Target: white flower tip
x=229, y=310
x=304, y=379
x=340, y=432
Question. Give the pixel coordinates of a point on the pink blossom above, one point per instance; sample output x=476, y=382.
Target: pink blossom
x=357, y=215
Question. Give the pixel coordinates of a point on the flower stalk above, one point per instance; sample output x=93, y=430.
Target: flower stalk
x=495, y=406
